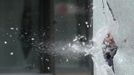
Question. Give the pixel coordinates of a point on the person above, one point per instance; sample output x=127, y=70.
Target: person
x=109, y=49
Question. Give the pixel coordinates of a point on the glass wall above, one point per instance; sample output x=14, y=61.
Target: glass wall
x=72, y=18
x=34, y=34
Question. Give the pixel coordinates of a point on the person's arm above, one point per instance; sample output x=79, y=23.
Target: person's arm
x=114, y=51
x=104, y=47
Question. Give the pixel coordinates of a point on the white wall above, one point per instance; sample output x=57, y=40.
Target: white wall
x=124, y=13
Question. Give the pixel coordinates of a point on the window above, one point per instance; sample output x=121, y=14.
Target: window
x=34, y=31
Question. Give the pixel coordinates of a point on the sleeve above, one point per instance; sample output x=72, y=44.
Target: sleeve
x=114, y=50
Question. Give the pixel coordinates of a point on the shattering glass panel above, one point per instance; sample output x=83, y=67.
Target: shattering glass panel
x=37, y=36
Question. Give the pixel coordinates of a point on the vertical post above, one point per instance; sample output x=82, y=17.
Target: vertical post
x=85, y=27
x=26, y=28
x=46, y=35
